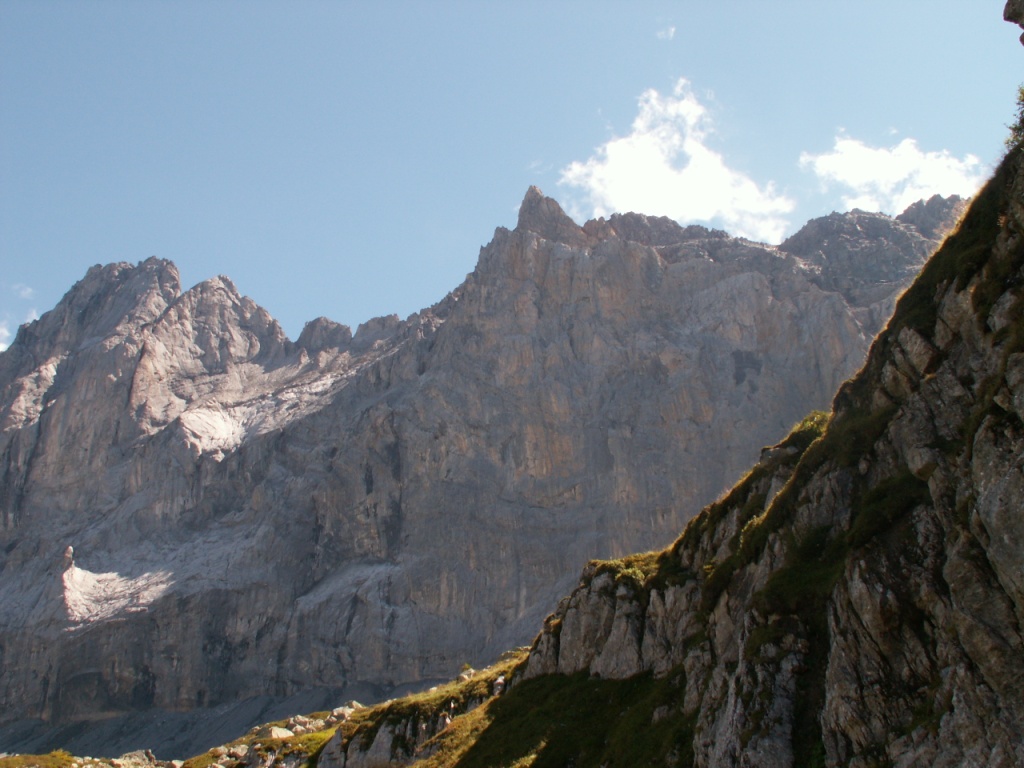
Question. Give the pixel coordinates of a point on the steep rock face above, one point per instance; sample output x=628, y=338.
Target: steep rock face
x=855, y=600
x=935, y=216
x=197, y=510
x=863, y=256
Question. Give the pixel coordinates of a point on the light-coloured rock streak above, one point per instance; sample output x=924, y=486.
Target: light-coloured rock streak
x=91, y=597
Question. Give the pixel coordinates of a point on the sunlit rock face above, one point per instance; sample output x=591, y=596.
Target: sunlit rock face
x=251, y=516
x=856, y=600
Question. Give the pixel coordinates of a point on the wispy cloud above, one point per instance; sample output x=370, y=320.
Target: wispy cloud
x=888, y=179
x=666, y=34
x=23, y=291
x=665, y=167
x=536, y=167
x=31, y=315
x=5, y=335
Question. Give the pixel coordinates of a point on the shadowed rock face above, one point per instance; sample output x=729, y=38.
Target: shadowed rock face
x=255, y=517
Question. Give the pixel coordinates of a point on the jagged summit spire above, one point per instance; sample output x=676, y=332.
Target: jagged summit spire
x=545, y=217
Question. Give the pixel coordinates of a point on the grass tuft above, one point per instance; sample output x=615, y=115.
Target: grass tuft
x=58, y=758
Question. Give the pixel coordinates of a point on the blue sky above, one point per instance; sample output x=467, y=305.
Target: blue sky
x=349, y=159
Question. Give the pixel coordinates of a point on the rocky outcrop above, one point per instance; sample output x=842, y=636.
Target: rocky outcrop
x=857, y=599
x=935, y=216
x=195, y=510
x=865, y=256
x=1014, y=11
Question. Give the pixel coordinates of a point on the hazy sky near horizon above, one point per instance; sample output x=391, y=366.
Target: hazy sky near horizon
x=349, y=159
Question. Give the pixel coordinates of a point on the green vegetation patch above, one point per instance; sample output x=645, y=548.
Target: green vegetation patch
x=364, y=724
x=558, y=720
x=795, y=598
x=744, y=494
x=56, y=759
x=806, y=431
x=757, y=522
x=855, y=434
x=885, y=505
x=309, y=745
x=804, y=583
x=632, y=570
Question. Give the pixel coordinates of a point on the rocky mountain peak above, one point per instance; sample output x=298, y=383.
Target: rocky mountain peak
x=927, y=219
x=224, y=326
x=323, y=333
x=219, y=284
x=861, y=254
x=935, y=216
x=376, y=329
x=108, y=297
x=654, y=231
x=813, y=240
x=543, y=216
x=857, y=599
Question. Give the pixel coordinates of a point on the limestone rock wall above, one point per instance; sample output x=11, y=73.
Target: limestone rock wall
x=195, y=510
x=856, y=600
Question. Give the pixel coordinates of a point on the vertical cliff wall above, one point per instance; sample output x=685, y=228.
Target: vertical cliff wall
x=855, y=600
x=196, y=510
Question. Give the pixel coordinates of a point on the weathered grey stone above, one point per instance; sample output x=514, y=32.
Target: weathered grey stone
x=253, y=517
x=923, y=525
x=239, y=751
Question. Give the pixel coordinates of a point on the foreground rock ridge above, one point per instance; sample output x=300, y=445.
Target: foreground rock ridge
x=857, y=599
x=197, y=512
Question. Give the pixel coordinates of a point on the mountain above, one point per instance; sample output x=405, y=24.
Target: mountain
x=199, y=514
x=857, y=599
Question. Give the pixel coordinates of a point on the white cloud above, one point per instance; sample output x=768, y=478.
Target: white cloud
x=664, y=167
x=536, y=167
x=23, y=291
x=33, y=314
x=666, y=34
x=889, y=179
